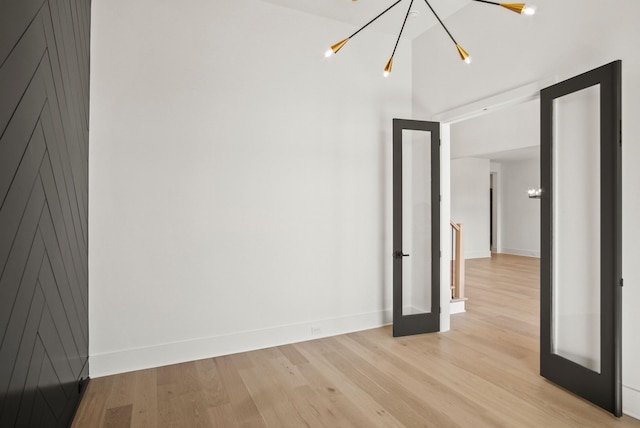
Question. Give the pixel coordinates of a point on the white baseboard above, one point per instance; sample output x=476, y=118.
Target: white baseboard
x=457, y=307
x=631, y=401
x=477, y=254
x=172, y=353
x=516, y=252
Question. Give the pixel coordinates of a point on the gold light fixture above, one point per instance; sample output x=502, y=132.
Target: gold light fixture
x=520, y=8
x=463, y=54
x=335, y=48
x=387, y=69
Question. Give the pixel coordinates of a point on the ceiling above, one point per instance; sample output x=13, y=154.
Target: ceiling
x=360, y=12
x=525, y=153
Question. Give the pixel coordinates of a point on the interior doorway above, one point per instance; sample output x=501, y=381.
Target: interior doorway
x=493, y=162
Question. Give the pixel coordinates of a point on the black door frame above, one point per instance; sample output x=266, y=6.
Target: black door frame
x=404, y=325
x=605, y=388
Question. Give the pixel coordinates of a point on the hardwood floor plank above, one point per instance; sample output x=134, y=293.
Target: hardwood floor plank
x=122, y=390
x=346, y=392
x=193, y=404
x=411, y=411
x=223, y=416
x=118, y=417
x=293, y=354
x=180, y=402
x=213, y=390
x=145, y=399
x=92, y=409
x=308, y=405
x=334, y=402
x=242, y=403
x=272, y=392
x=413, y=378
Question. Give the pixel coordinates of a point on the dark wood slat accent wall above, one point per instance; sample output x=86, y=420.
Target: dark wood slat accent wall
x=44, y=142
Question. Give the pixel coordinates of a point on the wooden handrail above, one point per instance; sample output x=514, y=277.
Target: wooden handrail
x=457, y=264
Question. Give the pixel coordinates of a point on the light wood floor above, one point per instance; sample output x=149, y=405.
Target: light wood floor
x=482, y=373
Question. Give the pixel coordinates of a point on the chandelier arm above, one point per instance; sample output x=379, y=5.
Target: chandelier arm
x=402, y=29
x=519, y=8
x=370, y=22
x=488, y=2
x=441, y=23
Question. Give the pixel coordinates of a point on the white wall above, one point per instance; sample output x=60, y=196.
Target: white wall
x=563, y=39
x=470, y=179
x=519, y=216
x=240, y=183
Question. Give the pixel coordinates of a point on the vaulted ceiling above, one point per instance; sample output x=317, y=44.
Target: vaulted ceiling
x=360, y=12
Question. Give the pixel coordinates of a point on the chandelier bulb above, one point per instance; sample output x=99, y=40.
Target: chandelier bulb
x=335, y=48
x=388, y=67
x=514, y=7
x=464, y=55
x=520, y=8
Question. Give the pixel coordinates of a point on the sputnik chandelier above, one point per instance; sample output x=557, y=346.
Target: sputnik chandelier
x=519, y=8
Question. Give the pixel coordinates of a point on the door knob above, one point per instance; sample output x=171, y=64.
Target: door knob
x=399, y=254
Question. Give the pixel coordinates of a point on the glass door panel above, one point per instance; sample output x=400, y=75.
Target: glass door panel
x=416, y=222
x=576, y=226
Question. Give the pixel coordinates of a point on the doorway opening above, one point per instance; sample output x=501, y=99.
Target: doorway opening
x=494, y=161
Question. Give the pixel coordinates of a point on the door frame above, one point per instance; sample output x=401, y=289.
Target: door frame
x=404, y=325
x=603, y=388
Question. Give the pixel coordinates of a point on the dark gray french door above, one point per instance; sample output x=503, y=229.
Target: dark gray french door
x=580, y=337
x=416, y=227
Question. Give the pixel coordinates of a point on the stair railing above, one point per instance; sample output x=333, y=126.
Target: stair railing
x=457, y=264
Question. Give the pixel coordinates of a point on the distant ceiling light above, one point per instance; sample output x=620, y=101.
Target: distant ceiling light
x=520, y=8
x=534, y=193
